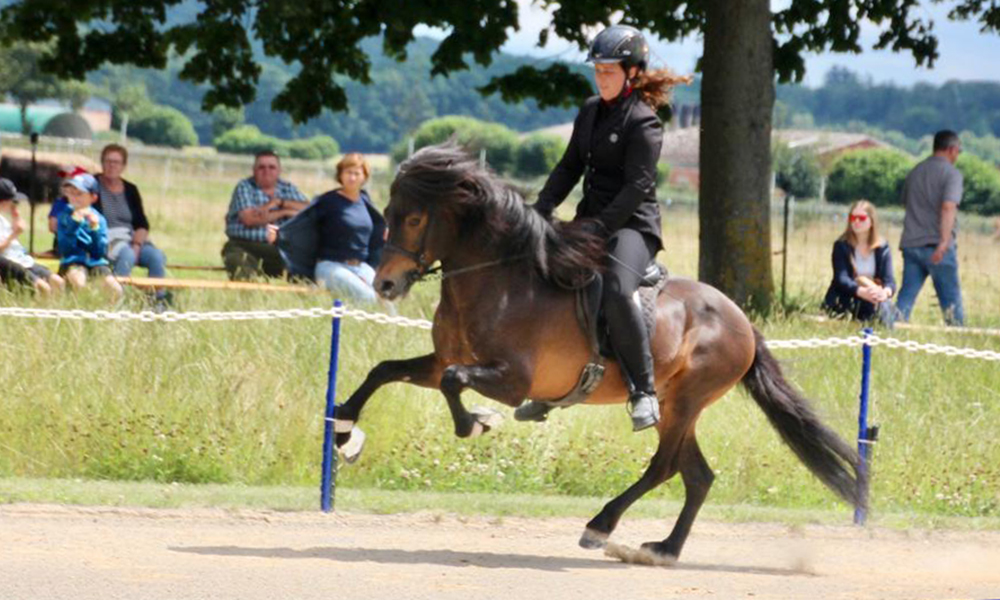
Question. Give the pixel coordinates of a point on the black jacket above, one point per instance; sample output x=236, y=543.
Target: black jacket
x=617, y=158
x=299, y=238
x=134, y=200
x=840, y=297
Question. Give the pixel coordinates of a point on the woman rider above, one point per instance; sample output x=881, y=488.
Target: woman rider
x=615, y=146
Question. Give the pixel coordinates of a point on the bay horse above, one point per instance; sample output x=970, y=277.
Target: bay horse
x=506, y=327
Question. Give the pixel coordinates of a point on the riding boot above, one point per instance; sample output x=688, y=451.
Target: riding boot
x=631, y=342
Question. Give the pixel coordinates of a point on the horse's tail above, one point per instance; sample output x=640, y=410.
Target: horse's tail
x=828, y=456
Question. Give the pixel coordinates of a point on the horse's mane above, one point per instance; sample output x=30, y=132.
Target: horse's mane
x=491, y=212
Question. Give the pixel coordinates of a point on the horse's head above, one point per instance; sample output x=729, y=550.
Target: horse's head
x=423, y=215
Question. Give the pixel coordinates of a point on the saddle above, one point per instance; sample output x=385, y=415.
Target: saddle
x=591, y=319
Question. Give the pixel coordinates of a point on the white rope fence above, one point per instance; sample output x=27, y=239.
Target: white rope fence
x=383, y=319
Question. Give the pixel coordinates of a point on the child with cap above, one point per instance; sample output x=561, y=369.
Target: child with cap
x=83, y=236
x=16, y=265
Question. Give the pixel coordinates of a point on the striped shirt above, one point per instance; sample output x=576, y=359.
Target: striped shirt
x=248, y=195
x=115, y=208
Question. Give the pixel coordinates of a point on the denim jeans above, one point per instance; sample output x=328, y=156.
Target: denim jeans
x=916, y=267
x=354, y=282
x=150, y=257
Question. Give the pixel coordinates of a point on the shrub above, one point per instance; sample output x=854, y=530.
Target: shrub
x=662, y=173
x=500, y=142
x=163, y=126
x=538, y=154
x=315, y=148
x=981, y=190
x=797, y=172
x=876, y=175
x=248, y=139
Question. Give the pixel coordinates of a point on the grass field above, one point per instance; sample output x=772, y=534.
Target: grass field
x=241, y=402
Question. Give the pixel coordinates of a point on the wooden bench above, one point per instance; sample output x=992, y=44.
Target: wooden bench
x=147, y=283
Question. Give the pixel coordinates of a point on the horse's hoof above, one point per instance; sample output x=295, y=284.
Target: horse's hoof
x=593, y=540
x=351, y=450
x=660, y=552
x=485, y=419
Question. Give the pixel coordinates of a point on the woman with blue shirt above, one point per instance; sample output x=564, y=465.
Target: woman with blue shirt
x=863, y=283
x=338, y=238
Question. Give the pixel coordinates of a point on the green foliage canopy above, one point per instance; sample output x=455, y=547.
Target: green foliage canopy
x=323, y=39
x=163, y=126
x=874, y=175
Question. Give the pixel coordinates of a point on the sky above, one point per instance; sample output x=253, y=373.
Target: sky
x=966, y=54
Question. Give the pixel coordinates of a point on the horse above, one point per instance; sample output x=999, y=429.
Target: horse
x=506, y=327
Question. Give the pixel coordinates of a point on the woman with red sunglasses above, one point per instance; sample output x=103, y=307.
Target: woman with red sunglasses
x=863, y=284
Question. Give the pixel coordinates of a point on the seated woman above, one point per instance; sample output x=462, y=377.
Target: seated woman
x=338, y=238
x=862, y=269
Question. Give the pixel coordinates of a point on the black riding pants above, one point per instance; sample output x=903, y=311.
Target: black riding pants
x=630, y=252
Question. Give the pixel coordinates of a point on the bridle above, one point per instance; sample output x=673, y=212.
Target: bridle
x=426, y=269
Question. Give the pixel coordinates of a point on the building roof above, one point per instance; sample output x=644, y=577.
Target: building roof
x=47, y=120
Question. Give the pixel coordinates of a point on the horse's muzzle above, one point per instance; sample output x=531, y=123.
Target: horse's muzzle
x=392, y=288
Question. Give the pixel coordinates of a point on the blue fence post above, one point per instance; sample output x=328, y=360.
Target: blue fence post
x=329, y=456
x=865, y=435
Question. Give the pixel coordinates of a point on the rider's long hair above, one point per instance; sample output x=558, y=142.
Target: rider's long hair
x=655, y=87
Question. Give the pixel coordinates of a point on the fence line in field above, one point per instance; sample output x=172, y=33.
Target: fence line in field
x=384, y=319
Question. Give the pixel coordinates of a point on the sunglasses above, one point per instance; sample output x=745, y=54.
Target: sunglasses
x=858, y=218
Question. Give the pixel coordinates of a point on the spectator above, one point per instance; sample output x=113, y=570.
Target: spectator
x=931, y=194
x=16, y=265
x=59, y=206
x=257, y=202
x=862, y=269
x=83, y=237
x=338, y=239
x=128, y=229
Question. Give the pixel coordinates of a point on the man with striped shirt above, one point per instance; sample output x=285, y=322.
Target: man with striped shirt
x=257, y=202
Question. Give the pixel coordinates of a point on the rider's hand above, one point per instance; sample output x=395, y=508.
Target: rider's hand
x=593, y=227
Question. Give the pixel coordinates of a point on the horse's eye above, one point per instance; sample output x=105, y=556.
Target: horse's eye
x=413, y=221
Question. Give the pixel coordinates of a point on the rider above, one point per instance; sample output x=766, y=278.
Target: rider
x=615, y=147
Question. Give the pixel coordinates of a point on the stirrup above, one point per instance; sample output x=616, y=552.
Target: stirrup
x=532, y=411
x=644, y=409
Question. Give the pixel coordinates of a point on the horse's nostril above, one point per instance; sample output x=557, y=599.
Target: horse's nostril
x=387, y=286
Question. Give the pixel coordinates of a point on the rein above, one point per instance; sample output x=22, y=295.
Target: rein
x=426, y=273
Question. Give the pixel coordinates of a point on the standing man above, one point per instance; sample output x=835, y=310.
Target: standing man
x=931, y=195
x=257, y=202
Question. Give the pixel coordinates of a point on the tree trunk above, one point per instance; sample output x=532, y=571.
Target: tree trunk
x=737, y=100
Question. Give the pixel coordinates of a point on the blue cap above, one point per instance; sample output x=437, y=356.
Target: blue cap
x=85, y=182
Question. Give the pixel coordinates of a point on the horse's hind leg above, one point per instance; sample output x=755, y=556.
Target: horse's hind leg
x=424, y=371
x=662, y=467
x=698, y=478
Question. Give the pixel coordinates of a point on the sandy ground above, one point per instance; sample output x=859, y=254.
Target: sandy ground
x=110, y=553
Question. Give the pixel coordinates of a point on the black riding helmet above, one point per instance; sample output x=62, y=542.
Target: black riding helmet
x=620, y=44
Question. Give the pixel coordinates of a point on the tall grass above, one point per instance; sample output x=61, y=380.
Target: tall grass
x=242, y=402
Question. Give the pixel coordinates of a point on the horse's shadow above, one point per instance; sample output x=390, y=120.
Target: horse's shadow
x=453, y=558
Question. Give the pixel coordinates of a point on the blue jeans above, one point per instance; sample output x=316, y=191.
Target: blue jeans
x=354, y=282
x=150, y=257
x=916, y=267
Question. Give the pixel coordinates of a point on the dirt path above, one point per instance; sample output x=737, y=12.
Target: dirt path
x=112, y=553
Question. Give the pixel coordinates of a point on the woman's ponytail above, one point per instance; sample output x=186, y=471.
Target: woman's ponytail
x=655, y=87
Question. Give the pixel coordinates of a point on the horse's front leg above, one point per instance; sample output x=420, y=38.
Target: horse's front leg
x=424, y=371
x=504, y=381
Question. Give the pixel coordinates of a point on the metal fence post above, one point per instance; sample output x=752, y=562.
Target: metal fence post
x=328, y=480
x=866, y=435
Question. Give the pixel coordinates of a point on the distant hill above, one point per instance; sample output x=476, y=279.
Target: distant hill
x=401, y=96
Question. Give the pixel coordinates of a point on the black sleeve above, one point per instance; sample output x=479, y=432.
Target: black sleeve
x=134, y=199
x=641, y=156
x=885, y=269
x=843, y=278
x=566, y=174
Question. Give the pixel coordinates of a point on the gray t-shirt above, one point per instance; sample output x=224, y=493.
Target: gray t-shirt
x=927, y=187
